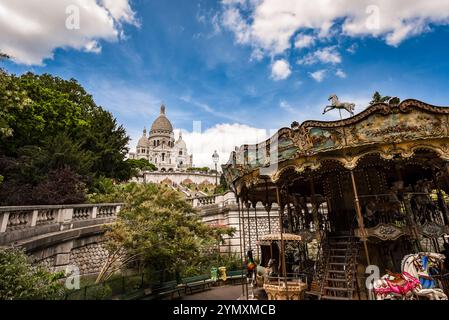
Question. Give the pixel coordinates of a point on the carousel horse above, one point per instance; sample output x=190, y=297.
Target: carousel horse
x=263, y=273
x=414, y=281
x=336, y=104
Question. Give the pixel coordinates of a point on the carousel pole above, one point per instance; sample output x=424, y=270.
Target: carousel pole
x=244, y=246
x=257, y=231
x=360, y=217
x=241, y=247
x=248, y=206
x=281, y=213
x=316, y=221
x=268, y=209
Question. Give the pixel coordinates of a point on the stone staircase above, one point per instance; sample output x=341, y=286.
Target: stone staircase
x=339, y=280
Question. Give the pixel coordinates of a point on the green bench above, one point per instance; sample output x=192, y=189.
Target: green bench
x=236, y=275
x=198, y=282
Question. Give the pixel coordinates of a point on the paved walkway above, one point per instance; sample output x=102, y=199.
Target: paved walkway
x=217, y=293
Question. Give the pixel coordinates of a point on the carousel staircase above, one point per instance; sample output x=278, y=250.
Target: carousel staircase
x=339, y=281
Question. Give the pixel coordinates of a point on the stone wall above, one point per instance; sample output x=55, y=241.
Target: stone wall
x=177, y=177
x=89, y=259
x=87, y=254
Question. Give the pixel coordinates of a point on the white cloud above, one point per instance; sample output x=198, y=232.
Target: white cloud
x=280, y=70
x=286, y=106
x=340, y=73
x=92, y=46
x=271, y=24
x=304, y=41
x=325, y=55
x=223, y=138
x=319, y=75
x=32, y=30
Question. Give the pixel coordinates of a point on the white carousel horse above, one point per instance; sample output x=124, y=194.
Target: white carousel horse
x=414, y=281
x=336, y=104
x=263, y=273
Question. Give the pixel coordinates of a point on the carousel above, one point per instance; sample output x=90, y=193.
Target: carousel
x=369, y=192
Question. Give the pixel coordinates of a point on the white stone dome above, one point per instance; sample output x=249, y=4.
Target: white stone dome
x=161, y=123
x=143, y=141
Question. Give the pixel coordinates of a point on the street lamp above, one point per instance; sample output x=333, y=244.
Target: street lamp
x=215, y=158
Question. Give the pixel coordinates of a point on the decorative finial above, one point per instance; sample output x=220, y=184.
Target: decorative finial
x=336, y=104
x=162, y=109
x=144, y=131
x=180, y=134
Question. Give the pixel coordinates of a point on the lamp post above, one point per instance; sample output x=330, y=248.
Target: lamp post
x=215, y=158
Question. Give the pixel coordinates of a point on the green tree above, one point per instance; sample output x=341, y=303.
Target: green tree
x=141, y=164
x=159, y=230
x=223, y=186
x=378, y=98
x=47, y=124
x=20, y=280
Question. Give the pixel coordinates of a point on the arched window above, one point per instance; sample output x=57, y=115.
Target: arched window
x=163, y=157
x=180, y=152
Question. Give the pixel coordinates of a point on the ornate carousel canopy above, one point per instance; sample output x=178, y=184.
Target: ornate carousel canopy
x=388, y=131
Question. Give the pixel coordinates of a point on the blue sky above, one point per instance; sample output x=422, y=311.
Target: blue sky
x=208, y=62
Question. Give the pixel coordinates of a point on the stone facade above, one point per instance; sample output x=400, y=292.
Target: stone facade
x=160, y=147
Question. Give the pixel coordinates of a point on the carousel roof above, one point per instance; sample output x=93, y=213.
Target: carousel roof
x=277, y=237
x=388, y=130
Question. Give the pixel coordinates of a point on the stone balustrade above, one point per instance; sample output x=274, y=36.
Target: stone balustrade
x=223, y=200
x=21, y=222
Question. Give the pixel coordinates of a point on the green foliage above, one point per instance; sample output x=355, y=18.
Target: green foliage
x=47, y=124
x=378, y=98
x=19, y=280
x=106, y=191
x=222, y=187
x=161, y=230
x=99, y=292
x=141, y=164
x=205, y=262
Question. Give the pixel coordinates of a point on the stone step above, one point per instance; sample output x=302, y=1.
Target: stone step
x=336, y=271
x=337, y=280
x=334, y=298
x=339, y=289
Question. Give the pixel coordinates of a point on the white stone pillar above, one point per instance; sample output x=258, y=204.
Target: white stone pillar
x=94, y=212
x=68, y=214
x=34, y=218
x=4, y=217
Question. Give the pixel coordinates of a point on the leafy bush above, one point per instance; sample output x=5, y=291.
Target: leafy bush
x=99, y=292
x=20, y=280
